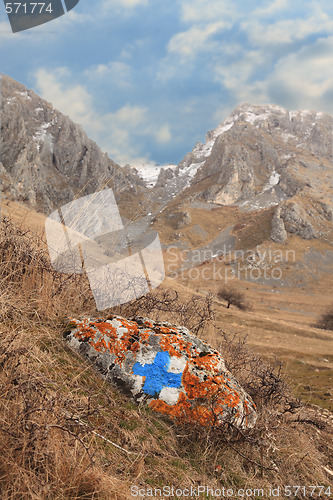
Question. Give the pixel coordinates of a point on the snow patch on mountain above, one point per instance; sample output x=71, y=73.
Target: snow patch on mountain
x=149, y=172
x=273, y=181
x=43, y=136
x=190, y=171
x=23, y=94
x=202, y=151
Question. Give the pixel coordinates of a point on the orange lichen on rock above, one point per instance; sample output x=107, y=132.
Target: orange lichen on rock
x=103, y=336
x=208, y=362
x=175, y=345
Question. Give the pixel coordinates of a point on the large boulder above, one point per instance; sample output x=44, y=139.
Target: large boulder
x=278, y=231
x=176, y=373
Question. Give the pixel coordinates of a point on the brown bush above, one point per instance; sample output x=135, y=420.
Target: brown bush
x=263, y=380
x=29, y=286
x=44, y=452
x=196, y=312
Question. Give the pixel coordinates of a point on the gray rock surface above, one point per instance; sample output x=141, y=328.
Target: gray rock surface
x=297, y=221
x=278, y=233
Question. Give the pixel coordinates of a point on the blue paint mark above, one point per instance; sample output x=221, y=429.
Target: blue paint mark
x=157, y=375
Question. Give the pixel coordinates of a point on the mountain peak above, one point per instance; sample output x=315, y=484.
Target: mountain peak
x=259, y=156
x=47, y=159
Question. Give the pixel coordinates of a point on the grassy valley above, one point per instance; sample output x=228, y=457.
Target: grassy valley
x=65, y=433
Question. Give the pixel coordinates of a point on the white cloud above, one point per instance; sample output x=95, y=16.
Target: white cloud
x=74, y=17
x=299, y=80
x=113, y=131
x=237, y=72
x=122, y=4
x=163, y=134
x=306, y=77
x=197, y=39
x=75, y=101
x=271, y=8
x=287, y=30
x=203, y=11
x=118, y=73
x=130, y=115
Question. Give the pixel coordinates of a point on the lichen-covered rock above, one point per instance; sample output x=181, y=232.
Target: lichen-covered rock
x=176, y=373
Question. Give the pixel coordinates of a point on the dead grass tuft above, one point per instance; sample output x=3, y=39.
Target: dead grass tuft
x=29, y=286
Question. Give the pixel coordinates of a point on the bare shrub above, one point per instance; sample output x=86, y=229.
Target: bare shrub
x=264, y=381
x=233, y=297
x=326, y=320
x=44, y=451
x=275, y=451
x=40, y=291
x=196, y=313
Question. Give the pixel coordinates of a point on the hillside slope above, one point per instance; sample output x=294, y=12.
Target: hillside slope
x=66, y=433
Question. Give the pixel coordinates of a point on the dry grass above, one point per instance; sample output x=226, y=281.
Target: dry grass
x=60, y=423
x=251, y=229
x=211, y=221
x=281, y=322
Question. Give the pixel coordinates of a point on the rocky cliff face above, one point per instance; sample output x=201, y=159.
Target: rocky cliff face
x=47, y=159
x=255, y=149
x=263, y=156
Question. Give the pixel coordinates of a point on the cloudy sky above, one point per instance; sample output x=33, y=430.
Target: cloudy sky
x=148, y=78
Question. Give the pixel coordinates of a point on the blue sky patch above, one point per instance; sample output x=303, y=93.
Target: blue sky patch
x=147, y=82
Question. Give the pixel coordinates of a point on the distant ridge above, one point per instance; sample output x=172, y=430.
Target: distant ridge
x=258, y=157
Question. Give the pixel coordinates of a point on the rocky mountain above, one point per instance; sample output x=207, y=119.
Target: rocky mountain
x=259, y=157
x=47, y=159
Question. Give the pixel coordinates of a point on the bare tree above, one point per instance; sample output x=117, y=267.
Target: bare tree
x=233, y=297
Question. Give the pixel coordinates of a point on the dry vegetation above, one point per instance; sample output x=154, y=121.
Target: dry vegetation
x=66, y=434
x=326, y=321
